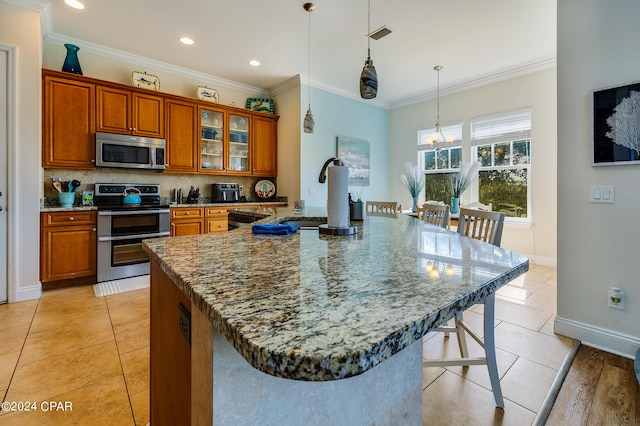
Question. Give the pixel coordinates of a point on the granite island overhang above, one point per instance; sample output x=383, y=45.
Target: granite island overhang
x=317, y=308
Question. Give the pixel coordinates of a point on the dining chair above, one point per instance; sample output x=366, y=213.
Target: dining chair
x=486, y=226
x=420, y=212
x=385, y=207
x=436, y=214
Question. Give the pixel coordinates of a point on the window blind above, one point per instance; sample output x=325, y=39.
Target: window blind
x=451, y=129
x=501, y=128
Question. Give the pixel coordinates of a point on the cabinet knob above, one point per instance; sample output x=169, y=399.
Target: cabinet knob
x=94, y=229
x=93, y=161
x=71, y=218
x=188, y=213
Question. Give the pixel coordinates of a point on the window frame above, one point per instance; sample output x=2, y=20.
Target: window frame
x=422, y=135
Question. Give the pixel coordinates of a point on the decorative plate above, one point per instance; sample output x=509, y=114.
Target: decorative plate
x=265, y=189
x=260, y=104
x=207, y=94
x=144, y=80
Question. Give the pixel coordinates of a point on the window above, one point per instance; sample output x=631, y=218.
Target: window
x=439, y=165
x=502, y=146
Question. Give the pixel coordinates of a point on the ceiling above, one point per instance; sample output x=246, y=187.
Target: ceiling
x=475, y=41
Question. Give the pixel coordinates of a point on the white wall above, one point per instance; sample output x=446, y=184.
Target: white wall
x=20, y=29
x=597, y=244
x=536, y=91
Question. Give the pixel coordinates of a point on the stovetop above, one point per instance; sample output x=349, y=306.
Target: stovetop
x=109, y=196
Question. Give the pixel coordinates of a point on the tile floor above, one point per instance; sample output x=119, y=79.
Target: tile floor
x=94, y=352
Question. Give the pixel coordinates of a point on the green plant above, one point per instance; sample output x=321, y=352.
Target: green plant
x=413, y=179
x=463, y=179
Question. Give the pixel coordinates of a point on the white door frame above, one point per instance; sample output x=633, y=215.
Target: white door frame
x=10, y=286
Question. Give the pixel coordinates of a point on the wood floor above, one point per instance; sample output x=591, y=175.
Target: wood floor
x=600, y=389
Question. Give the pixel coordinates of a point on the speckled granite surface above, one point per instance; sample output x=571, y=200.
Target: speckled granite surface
x=315, y=307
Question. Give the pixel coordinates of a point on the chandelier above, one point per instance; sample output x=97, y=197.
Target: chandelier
x=437, y=139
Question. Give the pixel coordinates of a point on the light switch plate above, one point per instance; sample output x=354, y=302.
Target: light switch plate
x=602, y=194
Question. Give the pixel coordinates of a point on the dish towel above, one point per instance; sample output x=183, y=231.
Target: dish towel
x=275, y=228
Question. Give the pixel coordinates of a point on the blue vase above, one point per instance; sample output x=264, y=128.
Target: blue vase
x=71, y=63
x=455, y=205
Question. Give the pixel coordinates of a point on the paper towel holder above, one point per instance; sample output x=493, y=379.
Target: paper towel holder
x=325, y=228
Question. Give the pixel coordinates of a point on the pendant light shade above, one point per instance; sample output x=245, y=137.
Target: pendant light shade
x=309, y=122
x=369, y=76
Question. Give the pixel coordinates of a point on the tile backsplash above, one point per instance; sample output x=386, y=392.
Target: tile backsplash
x=167, y=181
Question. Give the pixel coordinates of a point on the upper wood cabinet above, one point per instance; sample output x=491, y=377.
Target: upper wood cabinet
x=130, y=113
x=264, y=142
x=182, y=136
x=68, y=124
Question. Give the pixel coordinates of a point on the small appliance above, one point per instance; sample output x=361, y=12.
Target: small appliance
x=226, y=192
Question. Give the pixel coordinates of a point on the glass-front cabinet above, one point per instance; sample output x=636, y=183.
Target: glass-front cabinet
x=212, y=143
x=239, y=143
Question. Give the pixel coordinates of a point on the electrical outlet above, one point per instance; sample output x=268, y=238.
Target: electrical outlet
x=615, y=299
x=312, y=190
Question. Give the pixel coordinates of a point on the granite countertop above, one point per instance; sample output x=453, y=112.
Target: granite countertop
x=50, y=207
x=316, y=307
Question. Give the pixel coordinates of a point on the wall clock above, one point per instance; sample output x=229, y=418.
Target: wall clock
x=144, y=80
x=207, y=94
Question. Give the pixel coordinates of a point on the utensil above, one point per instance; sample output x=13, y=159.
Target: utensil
x=57, y=185
x=75, y=184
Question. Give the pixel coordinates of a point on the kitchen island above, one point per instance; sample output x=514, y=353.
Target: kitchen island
x=308, y=328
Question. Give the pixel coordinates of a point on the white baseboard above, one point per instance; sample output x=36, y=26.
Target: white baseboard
x=600, y=338
x=543, y=260
x=28, y=293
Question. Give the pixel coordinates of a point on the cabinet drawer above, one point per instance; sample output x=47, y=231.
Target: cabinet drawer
x=217, y=212
x=187, y=212
x=217, y=225
x=69, y=218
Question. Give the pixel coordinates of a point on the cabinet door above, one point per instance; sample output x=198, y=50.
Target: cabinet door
x=212, y=150
x=182, y=140
x=114, y=110
x=68, y=124
x=264, y=144
x=239, y=144
x=148, y=115
x=186, y=227
x=67, y=245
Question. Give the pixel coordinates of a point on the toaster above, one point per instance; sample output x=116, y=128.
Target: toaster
x=225, y=192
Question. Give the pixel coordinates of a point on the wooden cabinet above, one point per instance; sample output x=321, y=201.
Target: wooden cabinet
x=264, y=142
x=68, y=124
x=67, y=245
x=128, y=112
x=181, y=136
x=217, y=219
x=213, y=146
x=239, y=132
x=187, y=221
x=198, y=220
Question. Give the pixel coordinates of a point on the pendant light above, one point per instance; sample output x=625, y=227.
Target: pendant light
x=437, y=138
x=309, y=122
x=369, y=77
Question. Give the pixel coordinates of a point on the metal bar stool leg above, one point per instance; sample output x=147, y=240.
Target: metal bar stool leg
x=490, y=349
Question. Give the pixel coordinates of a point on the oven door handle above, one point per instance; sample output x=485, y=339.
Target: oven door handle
x=131, y=237
x=132, y=212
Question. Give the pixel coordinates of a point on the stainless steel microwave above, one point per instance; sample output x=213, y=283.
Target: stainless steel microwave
x=131, y=152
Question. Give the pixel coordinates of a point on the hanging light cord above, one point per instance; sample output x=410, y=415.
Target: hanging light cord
x=369, y=31
x=309, y=50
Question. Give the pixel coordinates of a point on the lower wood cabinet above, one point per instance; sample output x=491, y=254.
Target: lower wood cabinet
x=198, y=220
x=67, y=245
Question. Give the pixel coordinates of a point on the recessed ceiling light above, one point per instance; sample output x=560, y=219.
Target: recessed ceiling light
x=186, y=40
x=254, y=62
x=74, y=3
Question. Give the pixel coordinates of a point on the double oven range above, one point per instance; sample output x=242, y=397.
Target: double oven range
x=121, y=229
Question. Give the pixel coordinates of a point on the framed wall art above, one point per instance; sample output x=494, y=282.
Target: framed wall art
x=616, y=125
x=355, y=154
x=260, y=104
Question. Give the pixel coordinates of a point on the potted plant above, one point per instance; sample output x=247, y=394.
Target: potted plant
x=461, y=181
x=413, y=180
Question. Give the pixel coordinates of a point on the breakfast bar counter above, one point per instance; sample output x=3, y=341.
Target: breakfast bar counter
x=309, y=326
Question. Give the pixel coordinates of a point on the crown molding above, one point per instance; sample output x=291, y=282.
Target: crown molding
x=37, y=5
x=484, y=80
x=286, y=85
x=157, y=65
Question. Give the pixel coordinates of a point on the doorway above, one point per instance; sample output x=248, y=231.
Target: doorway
x=4, y=166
